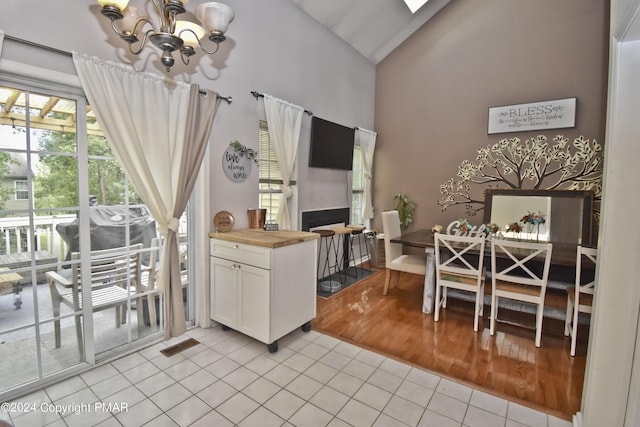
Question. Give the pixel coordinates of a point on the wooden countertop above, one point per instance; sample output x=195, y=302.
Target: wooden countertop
x=269, y=239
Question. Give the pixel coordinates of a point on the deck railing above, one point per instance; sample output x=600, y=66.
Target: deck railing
x=16, y=236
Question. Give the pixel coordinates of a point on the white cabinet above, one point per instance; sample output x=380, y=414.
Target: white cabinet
x=263, y=292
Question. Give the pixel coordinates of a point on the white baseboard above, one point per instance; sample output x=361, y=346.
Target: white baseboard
x=577, y=420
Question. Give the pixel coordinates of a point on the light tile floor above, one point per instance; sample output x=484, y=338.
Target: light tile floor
x=230, y=379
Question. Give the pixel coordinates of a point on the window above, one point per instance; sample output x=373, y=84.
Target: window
x=270, y=177
x=357, y=186
x=22, y=190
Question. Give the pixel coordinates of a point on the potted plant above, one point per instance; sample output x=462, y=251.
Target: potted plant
x=405, y=208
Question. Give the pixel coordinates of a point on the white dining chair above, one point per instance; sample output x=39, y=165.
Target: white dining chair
x=395, y=260
x=518, y=276
x=459, y=266
x=580, y=296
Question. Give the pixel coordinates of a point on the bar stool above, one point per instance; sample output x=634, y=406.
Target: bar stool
x=357, y=232
x=325, y=282
x=326, y=236
x=344, y=233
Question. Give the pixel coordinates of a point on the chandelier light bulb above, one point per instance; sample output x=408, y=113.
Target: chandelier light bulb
x=119, y=4
x=189, y=32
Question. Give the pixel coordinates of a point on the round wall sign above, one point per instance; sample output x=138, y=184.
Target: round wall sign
x=236, y=167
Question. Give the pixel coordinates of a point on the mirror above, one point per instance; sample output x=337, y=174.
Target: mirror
x=560, y=216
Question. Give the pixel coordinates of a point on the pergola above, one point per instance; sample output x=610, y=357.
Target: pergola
x=46, y=112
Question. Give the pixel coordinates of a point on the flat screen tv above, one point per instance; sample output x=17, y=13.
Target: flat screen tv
x=331, y=145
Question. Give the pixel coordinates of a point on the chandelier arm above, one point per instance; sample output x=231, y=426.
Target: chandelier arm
x=199, y=41
x=167, y=11
x=189, y=30
x=138, y=22
x=206, y=51
x=116, y=29
x=142, y=43
x=159, y=12
x=185, y=58
x=120, y=33
x=130, y=36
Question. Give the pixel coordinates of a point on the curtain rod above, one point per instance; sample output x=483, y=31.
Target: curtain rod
x=224, y=98
x=69, y=54
x=261, y=95
x=38, y=45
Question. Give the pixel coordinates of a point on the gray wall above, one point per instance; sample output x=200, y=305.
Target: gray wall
x=272, y=47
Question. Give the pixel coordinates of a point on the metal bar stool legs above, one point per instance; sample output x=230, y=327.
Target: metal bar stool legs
x=325, y=283
x=326, y=236
x=357, y=232
x=344, y=236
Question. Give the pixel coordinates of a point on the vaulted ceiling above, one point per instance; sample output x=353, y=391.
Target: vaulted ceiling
x=373, y=27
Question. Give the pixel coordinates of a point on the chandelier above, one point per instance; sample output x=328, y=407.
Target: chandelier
x=169, y=34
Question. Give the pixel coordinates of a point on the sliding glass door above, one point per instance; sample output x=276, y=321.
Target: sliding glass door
x=64, y=204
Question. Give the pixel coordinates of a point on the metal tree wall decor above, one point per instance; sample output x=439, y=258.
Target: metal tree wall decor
x=532, y=164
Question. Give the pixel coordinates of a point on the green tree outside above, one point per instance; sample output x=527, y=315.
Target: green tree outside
x=6, y=192
x=55, y=183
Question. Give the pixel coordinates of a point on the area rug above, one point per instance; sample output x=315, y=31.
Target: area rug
x=338, y=282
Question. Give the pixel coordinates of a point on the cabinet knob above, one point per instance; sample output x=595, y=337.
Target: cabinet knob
x=235, y=246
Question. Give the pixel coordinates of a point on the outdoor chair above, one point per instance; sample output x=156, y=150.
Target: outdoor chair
x=149, y=274
x=112, y=273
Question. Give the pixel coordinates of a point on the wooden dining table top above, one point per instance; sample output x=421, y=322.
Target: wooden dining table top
x=562, y=254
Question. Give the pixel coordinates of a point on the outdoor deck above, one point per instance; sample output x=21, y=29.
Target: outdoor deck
x=18, y=341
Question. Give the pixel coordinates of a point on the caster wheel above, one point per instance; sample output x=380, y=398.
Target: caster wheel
x=306, y=327
x=225, y=327
x=273, y=347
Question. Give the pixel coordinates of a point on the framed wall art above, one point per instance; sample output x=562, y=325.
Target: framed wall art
x=554, y=114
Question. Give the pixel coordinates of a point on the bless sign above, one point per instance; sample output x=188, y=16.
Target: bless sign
x=559, y=113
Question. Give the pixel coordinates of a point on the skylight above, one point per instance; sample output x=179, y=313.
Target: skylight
x=414, y=5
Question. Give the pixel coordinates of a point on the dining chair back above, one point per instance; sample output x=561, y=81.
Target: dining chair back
x=459, y=266
x=519, y=276
x=395, y=260
x=580, y=296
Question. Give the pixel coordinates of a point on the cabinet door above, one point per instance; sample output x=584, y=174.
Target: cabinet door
x=224, y=291
x=254, y=299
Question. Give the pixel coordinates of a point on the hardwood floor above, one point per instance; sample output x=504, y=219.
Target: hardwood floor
x=507, y=365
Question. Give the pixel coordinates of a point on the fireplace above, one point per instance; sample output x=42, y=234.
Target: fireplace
x=325, y=217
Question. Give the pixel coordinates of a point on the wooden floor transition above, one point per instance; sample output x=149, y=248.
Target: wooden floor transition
x=506, y=365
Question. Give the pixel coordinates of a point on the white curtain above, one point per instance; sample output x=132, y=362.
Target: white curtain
x=1, y=41
x=158, y=130
x=367, y=141
x=284, y=121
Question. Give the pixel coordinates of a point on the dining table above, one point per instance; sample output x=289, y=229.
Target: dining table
x=563, y=262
